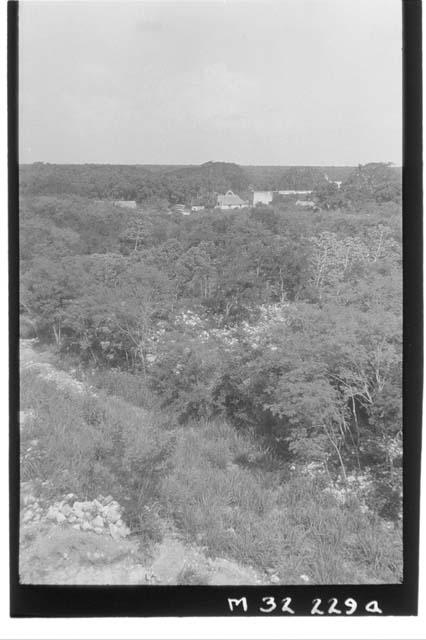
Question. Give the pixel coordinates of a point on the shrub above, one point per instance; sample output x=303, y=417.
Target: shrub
x=183, y=376
x=292, y=529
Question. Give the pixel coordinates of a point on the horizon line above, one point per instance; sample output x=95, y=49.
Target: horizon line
x=199, y=164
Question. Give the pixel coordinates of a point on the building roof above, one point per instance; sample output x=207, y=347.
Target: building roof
x=130, y=204
x=289, y=192
x=230, y=198
x=181, y=208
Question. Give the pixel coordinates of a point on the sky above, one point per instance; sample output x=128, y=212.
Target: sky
x=289, y=82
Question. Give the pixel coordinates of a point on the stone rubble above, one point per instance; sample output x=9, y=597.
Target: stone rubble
x=102, y=515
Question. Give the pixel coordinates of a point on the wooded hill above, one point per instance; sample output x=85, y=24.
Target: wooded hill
x=168, y=185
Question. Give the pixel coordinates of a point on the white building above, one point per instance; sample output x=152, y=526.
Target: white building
x=266, y=197
x=293, y=192
x=262, y=197
x=125, y=204
x=230, y=200
x=308, y=204
x=338, y=183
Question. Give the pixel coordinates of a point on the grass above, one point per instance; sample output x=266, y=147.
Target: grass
x=291, y=528
x=121, y=384
x=198, y=477
x=90, y=445
x=113, y=382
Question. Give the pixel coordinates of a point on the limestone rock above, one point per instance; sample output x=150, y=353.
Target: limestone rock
x=66, y=509
x=27, y=516
x=52, y=513
x=114, y=531
x=112, y=514
x=124, y=531
x=98, y=522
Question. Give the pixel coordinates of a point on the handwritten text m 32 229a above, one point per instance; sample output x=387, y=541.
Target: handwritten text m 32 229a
x=319, y=606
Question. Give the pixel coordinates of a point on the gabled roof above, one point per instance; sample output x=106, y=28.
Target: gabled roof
x=228, y=199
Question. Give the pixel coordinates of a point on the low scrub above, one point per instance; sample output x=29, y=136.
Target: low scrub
x=92, y=445
x=293, y=529
x=217, y=485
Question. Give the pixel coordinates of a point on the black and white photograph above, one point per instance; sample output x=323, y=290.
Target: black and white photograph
x=210, y=294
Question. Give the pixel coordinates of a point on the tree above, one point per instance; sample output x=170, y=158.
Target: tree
x=197, y=272
x=377, y=181
x=39, y=237
x=302, y=178
x=137, y=233
x=46, y=290
x=327, y=195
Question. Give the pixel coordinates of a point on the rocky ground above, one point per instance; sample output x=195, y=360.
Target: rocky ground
x=87, y=542
x=78, y=541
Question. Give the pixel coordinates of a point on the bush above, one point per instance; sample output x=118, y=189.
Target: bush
x=291, y=529
x=183, y=376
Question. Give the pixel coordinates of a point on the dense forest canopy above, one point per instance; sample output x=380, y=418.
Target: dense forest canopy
x=175, y=184
x=200, y=184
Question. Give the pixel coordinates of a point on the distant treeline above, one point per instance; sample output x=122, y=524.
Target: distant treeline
x=131, y=182
x=282, y=177
x=167, y=185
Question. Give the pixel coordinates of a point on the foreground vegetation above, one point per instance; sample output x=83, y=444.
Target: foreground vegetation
x=222, y=490
x=248, y=364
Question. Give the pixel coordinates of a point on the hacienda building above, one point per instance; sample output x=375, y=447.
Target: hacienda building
x=230, y=201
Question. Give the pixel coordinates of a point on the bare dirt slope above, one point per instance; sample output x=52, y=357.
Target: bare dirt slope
x=60, y=544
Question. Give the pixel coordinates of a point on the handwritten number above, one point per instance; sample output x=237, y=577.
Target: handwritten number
x=352, y=606
x=270, y=602
x=315, y=609
x=332, y=608
x=286, y=605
